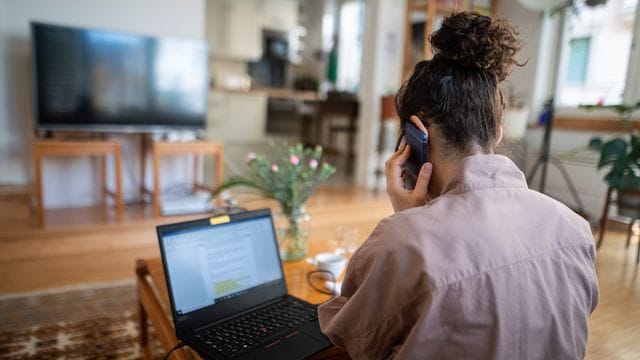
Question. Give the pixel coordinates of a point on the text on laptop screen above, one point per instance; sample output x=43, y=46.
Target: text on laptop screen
x=213, y=263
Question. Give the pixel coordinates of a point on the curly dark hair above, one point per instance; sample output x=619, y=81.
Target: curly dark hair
x=458, y=90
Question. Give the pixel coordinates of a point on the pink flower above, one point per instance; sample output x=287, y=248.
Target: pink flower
x=313, y=163
x=250, y=157
x=294, y=160
x=274, y=168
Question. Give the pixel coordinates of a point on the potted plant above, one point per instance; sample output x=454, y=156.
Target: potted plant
x=621, y=155
x=289, y=176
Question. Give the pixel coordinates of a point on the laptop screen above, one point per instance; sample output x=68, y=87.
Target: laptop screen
x=210, y=264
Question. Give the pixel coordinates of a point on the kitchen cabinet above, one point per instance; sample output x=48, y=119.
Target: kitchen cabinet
x=236, y=116
x=233, y=29
x=279, y=15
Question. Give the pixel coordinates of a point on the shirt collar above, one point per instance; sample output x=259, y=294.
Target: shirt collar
x=484, y=172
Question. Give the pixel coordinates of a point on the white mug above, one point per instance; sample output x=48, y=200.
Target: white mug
x=329, y=261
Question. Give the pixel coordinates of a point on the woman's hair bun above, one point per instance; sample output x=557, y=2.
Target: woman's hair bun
x=477, y=41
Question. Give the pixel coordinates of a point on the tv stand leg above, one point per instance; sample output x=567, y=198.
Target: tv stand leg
x=145, y=150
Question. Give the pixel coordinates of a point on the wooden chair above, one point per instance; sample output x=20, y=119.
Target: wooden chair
x=327, y=111
x=605, y=218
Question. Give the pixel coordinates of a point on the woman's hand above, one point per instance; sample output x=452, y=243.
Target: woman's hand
x=402, y=198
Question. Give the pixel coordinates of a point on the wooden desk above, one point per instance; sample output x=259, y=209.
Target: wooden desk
x=164, y=148
x=154, y=305
x=49, y=148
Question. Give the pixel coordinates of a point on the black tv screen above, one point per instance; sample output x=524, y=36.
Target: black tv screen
x=102, y=80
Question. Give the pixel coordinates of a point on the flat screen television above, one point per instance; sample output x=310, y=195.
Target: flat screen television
x=110, y=81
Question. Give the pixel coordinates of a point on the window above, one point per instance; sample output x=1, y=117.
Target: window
x=597, y=47
x=350, y=45
x=578, y=59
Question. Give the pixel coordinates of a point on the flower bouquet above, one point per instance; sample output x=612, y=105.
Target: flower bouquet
x=289, y=176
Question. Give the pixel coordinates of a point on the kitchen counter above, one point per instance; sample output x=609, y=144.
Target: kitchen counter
x=277, y=93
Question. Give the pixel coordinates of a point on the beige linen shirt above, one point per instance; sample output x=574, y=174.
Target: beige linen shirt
x=488, y=270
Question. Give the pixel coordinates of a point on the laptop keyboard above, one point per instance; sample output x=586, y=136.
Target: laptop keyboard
x=266, y=326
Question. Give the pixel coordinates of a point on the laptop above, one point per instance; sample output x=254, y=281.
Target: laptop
x=228, y=293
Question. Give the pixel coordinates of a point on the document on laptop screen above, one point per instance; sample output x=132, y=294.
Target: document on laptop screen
x=213, y=263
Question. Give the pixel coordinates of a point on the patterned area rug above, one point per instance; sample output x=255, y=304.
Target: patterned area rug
x=94, y=321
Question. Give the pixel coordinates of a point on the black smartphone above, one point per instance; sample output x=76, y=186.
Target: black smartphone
x=417, y=140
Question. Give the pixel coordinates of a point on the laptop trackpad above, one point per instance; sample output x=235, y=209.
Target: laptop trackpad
x=295, y=347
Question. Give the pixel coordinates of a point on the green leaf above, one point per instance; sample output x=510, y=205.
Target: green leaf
x=612, y=151
x=595, y=143
x=614, y=178
x=635, y=140
x=233, y=182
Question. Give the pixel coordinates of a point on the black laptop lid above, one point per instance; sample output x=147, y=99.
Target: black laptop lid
x=217, y=267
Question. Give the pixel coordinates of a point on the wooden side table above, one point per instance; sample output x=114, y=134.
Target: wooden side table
x=164, y=148
x=154, y=306
x=49, y=148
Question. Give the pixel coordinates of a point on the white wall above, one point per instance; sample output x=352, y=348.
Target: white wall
x=181, y=18
x=529, y=23
x=5, y=171
x=382, y=71
x=3, y=93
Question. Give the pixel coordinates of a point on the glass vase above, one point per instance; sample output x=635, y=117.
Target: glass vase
x=292, y=230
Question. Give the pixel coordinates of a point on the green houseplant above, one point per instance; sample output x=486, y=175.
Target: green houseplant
x=289, y=176
x=621, y=156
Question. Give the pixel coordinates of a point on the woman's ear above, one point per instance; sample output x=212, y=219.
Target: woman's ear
x=418, y=123
x=499, y=137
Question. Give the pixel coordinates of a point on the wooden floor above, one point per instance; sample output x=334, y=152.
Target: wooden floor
x=88, y=245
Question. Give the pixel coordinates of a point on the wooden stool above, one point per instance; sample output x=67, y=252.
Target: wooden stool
x=48, y=148
x=164, y=148
x=603, y=224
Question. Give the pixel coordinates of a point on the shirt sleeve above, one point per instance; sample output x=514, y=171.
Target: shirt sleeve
x=381, y=297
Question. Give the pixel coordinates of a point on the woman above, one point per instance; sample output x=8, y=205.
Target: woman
x=473, y=264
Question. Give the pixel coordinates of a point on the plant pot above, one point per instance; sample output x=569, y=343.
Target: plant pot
x=292, y=230
x=629, y=203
